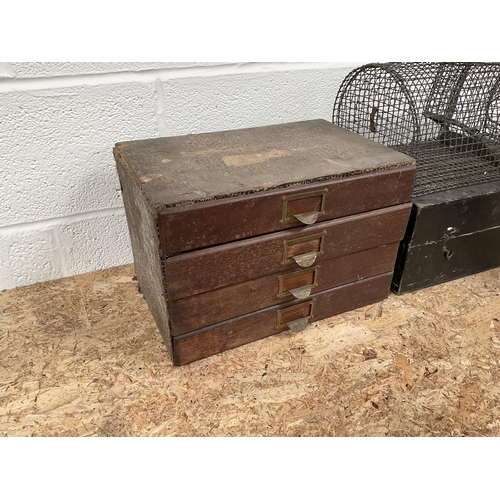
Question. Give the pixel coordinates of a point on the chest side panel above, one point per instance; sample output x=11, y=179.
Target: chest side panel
x=141, y=220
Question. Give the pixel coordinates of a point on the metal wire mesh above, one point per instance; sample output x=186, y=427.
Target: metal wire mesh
x=445, y=115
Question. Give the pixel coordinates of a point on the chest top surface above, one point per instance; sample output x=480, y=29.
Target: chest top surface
x=184, y=169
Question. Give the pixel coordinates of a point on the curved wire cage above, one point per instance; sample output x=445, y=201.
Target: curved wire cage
x=445, y=115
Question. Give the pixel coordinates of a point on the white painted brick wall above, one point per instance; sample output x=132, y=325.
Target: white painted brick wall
x=61, y=211
x=39, y=69
x=55, y=147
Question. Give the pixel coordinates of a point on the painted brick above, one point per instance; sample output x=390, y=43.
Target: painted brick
x=27, y=257
x=194, y=105
x=6, y=70
x=30, y=256
x=92, y=244
x=48, y=69
x=56, y=147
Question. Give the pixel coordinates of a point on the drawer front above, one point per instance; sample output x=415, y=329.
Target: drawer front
x=295, y=316
x=201, y=310
x=282, y=253
x=211, y=223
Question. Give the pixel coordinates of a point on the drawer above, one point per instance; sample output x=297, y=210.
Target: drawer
x=286, y=251
x=210, y=189
x=297, y=314
x=204, y=309
x=211, y=223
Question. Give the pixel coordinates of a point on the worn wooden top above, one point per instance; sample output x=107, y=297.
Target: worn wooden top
x=185, y=169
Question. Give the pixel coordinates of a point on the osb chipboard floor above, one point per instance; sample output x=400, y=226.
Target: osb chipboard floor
x=82, y=357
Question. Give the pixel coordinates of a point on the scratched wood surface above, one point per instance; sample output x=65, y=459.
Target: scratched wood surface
x=214, y=222
x=199, y=311
x=230, y=334
x=183, y=169
x=217, y=267
x=82, y=357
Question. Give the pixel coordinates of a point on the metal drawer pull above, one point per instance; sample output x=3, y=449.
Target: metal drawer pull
x=307, y=218
x=305, y=259
x=301, y=292
x=313, y=201
x=298, y=325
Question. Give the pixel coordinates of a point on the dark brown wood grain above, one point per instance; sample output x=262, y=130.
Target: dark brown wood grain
x=297, y=246
x=299, y=205
x=297, y=279
x=198, y=311
x=303, y=310
x=203, y=270
x=146, y=251
x=236, y=332
x=211, y=223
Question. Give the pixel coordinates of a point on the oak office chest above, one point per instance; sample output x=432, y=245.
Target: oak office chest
x=241, y=234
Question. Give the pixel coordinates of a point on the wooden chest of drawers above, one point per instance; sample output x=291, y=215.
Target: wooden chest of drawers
x=241, y=234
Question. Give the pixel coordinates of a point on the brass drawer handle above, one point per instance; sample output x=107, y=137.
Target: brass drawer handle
x=301, y=292
x=299, y=283
x=305, y=259
x=304, y=250
x=298, y=325
x=313, y=202
x=295, y=317
x=307, y=218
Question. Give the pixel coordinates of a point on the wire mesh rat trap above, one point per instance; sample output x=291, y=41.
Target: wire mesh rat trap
x=447, y=117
